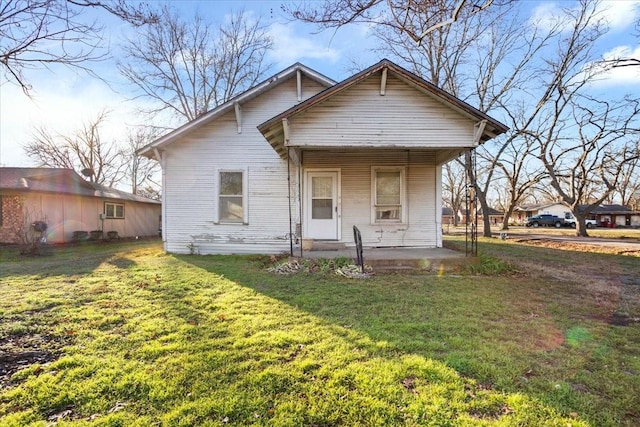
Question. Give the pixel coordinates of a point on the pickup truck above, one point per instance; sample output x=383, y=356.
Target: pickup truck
x=545, y=220
x=570, y=221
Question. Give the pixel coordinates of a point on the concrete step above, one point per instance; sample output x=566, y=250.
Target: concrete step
x=320, y=245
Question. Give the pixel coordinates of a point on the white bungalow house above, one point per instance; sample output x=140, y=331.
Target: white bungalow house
x=299, y=159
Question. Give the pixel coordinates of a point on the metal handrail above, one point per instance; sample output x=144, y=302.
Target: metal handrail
x=357, y=237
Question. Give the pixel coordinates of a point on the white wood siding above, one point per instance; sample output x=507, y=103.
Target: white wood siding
x=361, y=117
x=421, y=226
x=191, y=167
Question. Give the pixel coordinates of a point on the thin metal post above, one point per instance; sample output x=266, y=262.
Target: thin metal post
x=290, y=215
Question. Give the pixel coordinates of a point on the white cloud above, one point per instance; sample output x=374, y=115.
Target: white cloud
x=61, y=104
x=623, y=77
x=290, y=47
x=619, y=15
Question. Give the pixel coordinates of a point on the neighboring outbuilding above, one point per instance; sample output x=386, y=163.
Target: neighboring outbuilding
x=298, y=160
x=67, y=203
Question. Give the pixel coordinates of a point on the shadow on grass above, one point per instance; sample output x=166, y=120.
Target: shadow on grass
x=527, y=333
x=65, y=260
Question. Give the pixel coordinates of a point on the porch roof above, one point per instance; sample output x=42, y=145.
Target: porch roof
x=275, y=130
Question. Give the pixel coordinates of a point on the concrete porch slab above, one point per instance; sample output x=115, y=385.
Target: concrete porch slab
x=401, y=259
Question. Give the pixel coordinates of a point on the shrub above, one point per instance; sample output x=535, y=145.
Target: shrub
x=80, y=236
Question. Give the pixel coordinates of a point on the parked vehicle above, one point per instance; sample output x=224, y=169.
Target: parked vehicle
x=570, y=221
x=547, y=220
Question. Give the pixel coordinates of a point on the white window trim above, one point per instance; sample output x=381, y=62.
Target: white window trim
x=245, y=198
x=114, y=210
x=403, y=195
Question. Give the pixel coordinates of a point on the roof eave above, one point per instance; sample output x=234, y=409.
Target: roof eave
x=149, y=150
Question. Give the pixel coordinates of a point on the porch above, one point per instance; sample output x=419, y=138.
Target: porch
x=401, y=259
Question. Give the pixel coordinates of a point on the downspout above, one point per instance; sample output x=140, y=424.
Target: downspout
x=300, y=198
x=289, y=189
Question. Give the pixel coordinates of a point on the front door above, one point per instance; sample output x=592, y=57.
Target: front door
x=321, y=204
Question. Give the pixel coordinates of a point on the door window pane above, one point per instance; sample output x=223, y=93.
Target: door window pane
x=322, y=187
x=322, y=209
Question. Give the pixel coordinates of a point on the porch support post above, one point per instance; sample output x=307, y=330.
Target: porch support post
x=438, y=178
x=383, y=82
x=238, y=109
x=300, y=201
x=289, y=198
x=299, y=84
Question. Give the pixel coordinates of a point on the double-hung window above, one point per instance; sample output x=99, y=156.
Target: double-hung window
x=114, y=210
x=387, y=194
x=232, y=196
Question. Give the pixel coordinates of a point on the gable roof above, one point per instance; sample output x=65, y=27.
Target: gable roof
x=245, y=96
x=61, y=181
x=270, y=128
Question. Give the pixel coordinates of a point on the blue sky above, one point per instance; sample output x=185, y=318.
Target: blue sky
x=64, y=99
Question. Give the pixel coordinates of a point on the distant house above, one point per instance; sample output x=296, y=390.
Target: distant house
x=495, y=216
x=605, y=215
x=300, y=159
x=447, y=216
x=617, y=215
x=521, y=213
x=67, y=203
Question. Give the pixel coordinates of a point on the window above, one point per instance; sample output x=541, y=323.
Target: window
x=232, y=197
x=388, y=194
x=114, y=210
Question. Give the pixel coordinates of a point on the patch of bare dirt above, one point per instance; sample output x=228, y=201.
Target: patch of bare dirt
x=619, y=249
x=21, y=351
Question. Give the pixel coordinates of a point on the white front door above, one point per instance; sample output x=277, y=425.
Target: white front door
x=321, y=203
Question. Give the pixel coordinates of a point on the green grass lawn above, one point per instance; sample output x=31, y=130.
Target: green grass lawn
x=125, y=335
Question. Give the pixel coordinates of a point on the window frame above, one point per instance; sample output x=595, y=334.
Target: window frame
x=245, y=199
x=403, y=199
x=115, y=210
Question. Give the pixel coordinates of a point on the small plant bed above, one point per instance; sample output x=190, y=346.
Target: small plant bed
x=339, y=266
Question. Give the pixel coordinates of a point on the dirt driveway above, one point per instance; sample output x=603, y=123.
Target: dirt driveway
x=622, y=246
x=613, y=282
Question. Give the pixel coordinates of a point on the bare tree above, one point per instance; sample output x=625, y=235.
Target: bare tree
x=417, y=18
x=453, y=188
x=141, y=171
x=43, y=33
x=85, y=151
x=628, y=190
x=187, y=67
x=486, y=59
x=604, y=143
